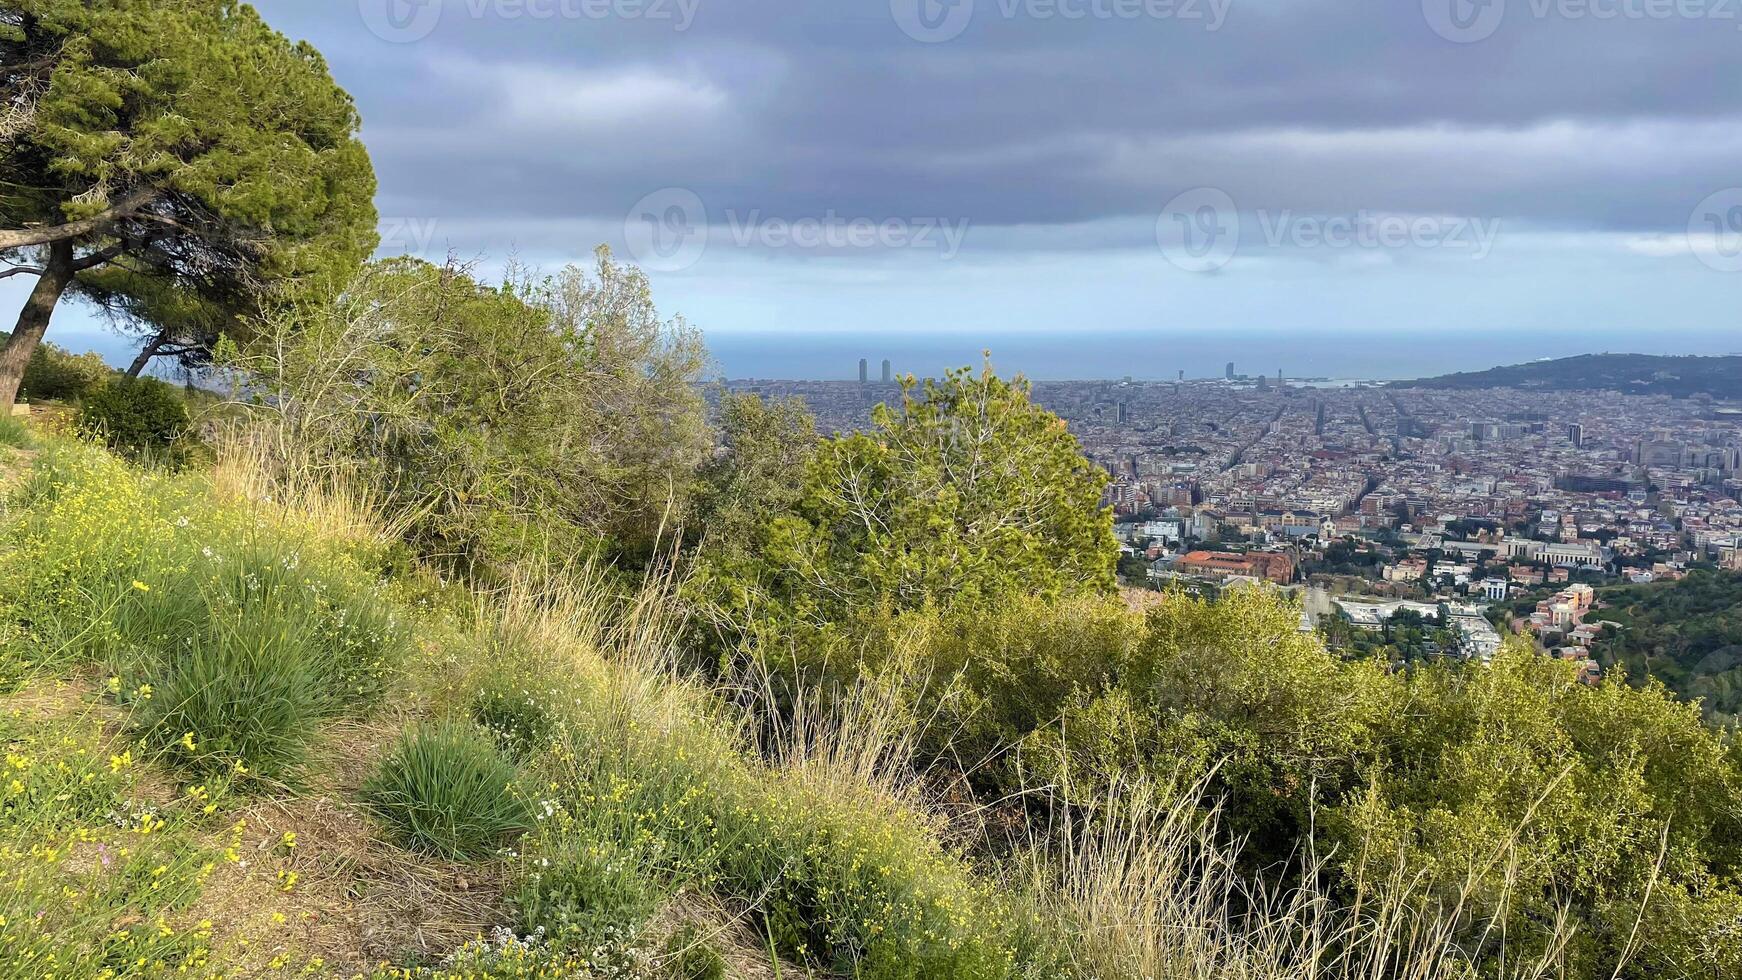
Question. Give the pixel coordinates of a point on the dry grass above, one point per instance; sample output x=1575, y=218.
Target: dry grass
x=251, y=466
x=357, y=900
x=1150, y=890
x=727, y=929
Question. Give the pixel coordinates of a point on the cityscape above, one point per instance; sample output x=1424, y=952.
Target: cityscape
x=1488, y=511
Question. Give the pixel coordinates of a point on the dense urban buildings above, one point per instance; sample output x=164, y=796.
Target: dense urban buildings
x=1464, y=502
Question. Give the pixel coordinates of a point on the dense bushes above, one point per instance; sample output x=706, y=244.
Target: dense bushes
x=140, y=417
x=550, y=421
x=1687, y=634
x=56, y=374
x=1509, y=797
x=967, y=496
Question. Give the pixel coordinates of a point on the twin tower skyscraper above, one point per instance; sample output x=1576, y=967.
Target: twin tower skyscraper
x=865, y=372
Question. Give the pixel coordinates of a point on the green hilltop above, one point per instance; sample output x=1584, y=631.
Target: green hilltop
x=1634, y=374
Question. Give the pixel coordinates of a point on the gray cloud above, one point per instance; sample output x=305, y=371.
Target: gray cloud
x=825, y=106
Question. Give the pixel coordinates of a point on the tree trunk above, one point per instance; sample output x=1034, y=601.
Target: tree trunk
x=147, y=352
x=57, y=274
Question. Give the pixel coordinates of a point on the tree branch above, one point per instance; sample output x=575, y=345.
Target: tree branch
x=18, y=270
x=95, y=259
x=25, y=237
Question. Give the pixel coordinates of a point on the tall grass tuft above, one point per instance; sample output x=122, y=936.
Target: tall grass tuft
x=242, y=700
x=447, y=789
x=13, y=432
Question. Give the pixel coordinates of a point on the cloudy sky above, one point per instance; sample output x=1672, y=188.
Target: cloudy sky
x=965, y=171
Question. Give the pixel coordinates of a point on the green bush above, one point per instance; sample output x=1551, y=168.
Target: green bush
x=56, y=374
x=140, y=417
x=446, y=789
x=245, y=697
x=585, y=891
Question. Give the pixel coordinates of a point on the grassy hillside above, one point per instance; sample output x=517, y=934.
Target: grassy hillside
x=1636, y=374
x=201, y=689
x=248, y=734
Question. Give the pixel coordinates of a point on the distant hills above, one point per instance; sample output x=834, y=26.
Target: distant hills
x=1637, y=374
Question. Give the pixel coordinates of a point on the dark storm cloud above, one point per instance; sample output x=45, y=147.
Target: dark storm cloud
x=555, y=125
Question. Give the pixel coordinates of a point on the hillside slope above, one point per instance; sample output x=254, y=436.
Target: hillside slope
x=248, y=734
x=1687, y=634
x=242, y=741
x=1636, y=374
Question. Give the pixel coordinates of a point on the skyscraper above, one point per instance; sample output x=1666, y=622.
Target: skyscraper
x=1230, y=374
x=888, y=374
x=864, y=370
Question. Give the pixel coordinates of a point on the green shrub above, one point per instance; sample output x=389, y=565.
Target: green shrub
x=447, y=789
x=242, y=694
x=583, y=891
x=56, y=374
x=140, y=417
x=249, y=654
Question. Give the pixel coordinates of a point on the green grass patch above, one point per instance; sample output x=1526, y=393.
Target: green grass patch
x=92, y=883
x=447, y=789
x=13, y=432
x=231, y=635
